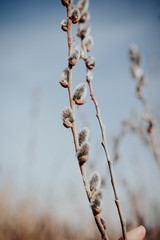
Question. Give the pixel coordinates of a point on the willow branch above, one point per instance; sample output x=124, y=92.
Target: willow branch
x=104, y=144
x=151, y=132
x=138, y=75
x=73, y=128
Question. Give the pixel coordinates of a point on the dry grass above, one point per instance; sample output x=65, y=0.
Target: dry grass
x=24, y=220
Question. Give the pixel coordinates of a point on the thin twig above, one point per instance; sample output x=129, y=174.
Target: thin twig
x=150, y=130
x=104, y=144
x=155, y=147
x=72, y=105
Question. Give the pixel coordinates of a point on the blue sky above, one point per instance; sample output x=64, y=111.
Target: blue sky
x=34, y=146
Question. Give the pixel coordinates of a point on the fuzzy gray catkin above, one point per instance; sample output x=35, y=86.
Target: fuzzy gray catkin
x=97, y=199
x=90, y=62
x=89, y=76
x=74, y=57
x=83, y=150
x=88, y=41
x=80, y=49
x=83, y=30
x=136, y=71
x=64, y=25
x=85, y=16
x=67, y=115
x=80, y=91
x=75, y=15
x=83, y=135
x=64, y=75
x=95, y=181
x=134, y=54
x=83, y=5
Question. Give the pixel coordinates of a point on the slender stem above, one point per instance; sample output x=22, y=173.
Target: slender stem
x=102, y=231
x=84, y=177
x=69, y=30
x=151, y=132
x=72, y=105
x=104, y=144
x=110, y=165
x=69, y=53
x=155, y=148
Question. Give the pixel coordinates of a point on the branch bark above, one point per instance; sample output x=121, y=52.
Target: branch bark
x=72, y=105
x=104, y=144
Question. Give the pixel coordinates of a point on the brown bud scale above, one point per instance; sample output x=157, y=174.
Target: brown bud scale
x=83, y=159
x=74, y=20
x=67, y=124
x=83, y=18
x=150, y=127
x=64, y=28
x=64, y=84
x=65, y=2
x=90, y=67
x=79, y=101
x=97, y=211
x=73, y=62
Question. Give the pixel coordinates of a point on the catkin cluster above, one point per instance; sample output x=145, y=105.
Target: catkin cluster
x=79, y=14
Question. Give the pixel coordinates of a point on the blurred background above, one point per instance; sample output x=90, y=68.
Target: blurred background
x=41, y=191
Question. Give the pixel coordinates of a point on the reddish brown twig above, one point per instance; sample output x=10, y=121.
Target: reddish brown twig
x=104, y=144
x=73, y=128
